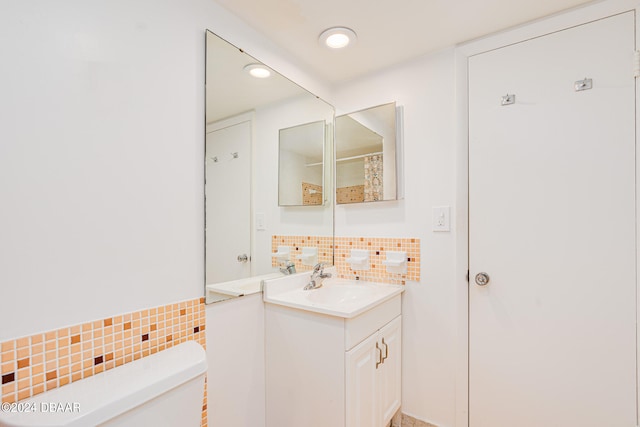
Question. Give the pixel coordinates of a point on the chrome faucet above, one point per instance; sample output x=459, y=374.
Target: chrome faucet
x=317, y=275
x=288, y=268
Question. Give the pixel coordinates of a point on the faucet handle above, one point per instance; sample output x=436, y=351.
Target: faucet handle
x=288, y=267
x=318, y=267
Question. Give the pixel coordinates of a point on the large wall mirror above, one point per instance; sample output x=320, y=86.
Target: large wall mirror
x=249, y=107
x=368, y=155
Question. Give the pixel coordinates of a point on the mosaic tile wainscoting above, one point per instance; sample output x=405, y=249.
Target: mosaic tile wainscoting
x=37, y=363
x=377, y=247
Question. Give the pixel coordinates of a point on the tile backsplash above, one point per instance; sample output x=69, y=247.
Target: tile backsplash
x=376, y=246
x=353, y=194
x=40, y=362
x=296, y=243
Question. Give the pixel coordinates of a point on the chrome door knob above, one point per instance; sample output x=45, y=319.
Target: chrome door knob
x=243, y=258
x=482, y=279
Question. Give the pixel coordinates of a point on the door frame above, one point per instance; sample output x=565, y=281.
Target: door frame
x=554, y=23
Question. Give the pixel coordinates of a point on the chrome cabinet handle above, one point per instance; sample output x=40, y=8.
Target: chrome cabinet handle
x=386, y=351
x=243, y=258
x=380, y=359
x=482, y=279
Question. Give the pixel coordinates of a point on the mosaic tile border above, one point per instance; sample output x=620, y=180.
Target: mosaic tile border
x=34, y=364
x=340, y=248
x=377, y=247
x=323, y=243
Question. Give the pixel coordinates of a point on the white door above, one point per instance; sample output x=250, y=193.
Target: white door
x=552, y=336
x=228, y=203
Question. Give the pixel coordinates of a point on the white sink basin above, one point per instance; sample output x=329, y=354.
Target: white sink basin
x=337, y=297
x=338, y=294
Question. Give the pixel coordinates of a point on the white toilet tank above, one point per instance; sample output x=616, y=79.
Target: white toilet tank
x=164, y=389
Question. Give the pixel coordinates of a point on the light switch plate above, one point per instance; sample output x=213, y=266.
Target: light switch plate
x=260, y=221
x=442, y=218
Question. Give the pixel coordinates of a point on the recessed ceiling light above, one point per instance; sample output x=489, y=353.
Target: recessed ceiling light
x=337, y=37
x=257, y=70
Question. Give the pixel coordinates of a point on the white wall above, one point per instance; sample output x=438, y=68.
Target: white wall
x=101, y=154
x=425, y=87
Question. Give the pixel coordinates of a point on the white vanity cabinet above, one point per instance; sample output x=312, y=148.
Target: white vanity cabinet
x=373, y=373
x=327, y=370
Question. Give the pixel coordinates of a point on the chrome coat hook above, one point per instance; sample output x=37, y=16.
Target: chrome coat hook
x=584, y=84
x=508, y=99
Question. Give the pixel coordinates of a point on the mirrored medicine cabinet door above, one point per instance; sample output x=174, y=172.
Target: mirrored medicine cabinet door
x=301, y=165
x=246, y=225
x=368, y=155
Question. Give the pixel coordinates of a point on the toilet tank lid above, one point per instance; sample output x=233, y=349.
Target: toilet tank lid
x=96, y=399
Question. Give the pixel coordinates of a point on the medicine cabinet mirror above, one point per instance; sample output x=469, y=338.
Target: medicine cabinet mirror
x=244, y=224
x=368, y=155
x=301, y=165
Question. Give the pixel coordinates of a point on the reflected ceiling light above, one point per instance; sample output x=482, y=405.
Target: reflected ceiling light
x=337, y=37
x=257, y=70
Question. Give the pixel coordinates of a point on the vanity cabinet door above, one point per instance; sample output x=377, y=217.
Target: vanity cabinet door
x=361, y=388
x=389, y=372
x=374, y=378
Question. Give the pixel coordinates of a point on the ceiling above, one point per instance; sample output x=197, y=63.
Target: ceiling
x=389, y=31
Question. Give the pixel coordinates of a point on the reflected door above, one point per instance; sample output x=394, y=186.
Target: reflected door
x=228, y=203
x=552, y=332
